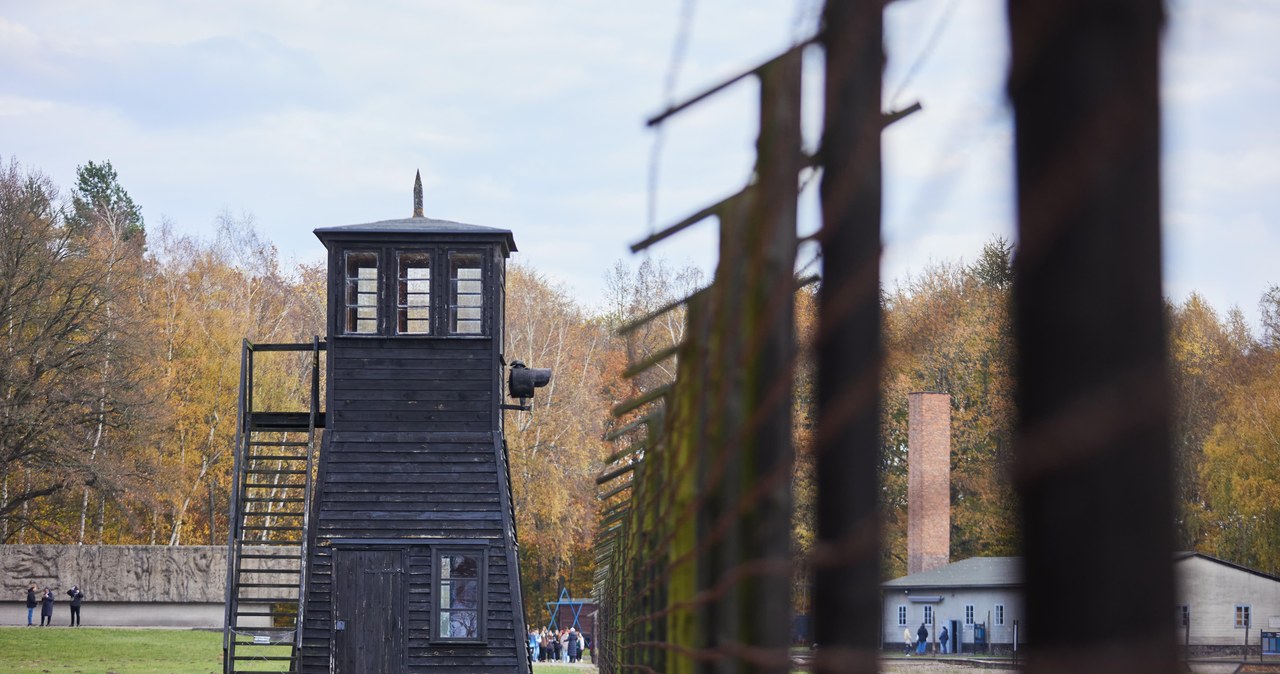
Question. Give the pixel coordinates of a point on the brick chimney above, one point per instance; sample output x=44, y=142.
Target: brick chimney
x=928, y=481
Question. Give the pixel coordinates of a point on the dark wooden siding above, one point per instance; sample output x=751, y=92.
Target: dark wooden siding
x=423, y=656
x=412, y=457
x=412, y=384
x=410, y=489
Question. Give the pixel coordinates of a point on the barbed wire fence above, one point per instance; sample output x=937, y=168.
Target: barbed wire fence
x=694, y=553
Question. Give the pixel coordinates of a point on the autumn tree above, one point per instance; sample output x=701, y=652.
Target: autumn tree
x=107, y=228
x=645, y=316
x=653, y=289
x=204, y=299
x=948, y=330
x=557, y=449
x=1238, y=517
x=57, y=338
x=1241, y=484
x=1206, y=357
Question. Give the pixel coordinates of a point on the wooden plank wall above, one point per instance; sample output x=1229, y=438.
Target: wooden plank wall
x=413, y=453
x=423, y=656
x=408, y=384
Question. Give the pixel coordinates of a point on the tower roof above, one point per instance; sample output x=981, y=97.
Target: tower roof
x=413, y=228
x=410, y=229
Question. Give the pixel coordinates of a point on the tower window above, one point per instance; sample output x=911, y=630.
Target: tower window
x=459, y=595
x=413, y=299
x=466, y=293
x=361, y=292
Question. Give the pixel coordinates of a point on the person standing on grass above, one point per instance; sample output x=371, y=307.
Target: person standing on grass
x=575, y=647
x=46, y=607
x=31, y=604
x=76, y=597
x=922, y=639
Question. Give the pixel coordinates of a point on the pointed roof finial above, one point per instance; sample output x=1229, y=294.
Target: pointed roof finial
x=417, y=195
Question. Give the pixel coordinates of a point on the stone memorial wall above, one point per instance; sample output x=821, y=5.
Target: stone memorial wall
x=118, y=573
x=135, y=585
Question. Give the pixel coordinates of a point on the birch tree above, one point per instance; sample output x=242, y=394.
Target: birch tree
x=56, y=341
x=557, y=449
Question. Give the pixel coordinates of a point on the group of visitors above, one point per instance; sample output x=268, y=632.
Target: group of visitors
x=922, y=640
x=548, y=645
x=45, y=602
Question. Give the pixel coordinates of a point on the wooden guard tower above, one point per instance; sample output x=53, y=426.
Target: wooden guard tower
x=409, y=537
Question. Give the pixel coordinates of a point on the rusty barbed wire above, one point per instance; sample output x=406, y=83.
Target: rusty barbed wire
x=663, y=563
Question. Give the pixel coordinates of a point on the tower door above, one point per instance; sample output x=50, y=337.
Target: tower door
x=369, y=611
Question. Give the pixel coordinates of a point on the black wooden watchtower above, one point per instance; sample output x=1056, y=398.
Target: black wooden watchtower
x=409, y=542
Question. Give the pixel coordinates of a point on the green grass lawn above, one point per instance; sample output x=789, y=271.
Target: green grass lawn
x=100, y=650
x=94, y=650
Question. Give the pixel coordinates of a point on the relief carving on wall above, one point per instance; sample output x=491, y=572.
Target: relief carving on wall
x=117, y=573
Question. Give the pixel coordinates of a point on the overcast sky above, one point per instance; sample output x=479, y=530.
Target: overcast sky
x=529, y=116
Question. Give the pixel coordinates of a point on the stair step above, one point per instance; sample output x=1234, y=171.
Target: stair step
x=266, y=640
x=272, y=528
x=259, y=555
x=280, y=499
x=268, y=485
x=278, y=443
x=264, y=631
x=286, y=460
x=275, y=471
x=283, y=543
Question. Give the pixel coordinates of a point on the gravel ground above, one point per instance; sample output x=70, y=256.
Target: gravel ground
x=933, y=667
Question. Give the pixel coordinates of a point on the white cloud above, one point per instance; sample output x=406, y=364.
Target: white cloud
x=529, y=116
x=17, y=106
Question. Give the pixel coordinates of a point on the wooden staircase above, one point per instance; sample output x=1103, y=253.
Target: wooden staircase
x=270, y=506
